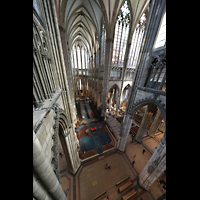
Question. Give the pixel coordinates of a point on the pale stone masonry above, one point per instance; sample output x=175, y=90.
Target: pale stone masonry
x=56, y=84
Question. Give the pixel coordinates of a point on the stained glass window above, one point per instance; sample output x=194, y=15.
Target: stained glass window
x=136, y=41
x=121, y=34
x=103, y=44
x=97, y=58
x=75, y=58
x=161, y=37
x=79, y=58
x=82, y=56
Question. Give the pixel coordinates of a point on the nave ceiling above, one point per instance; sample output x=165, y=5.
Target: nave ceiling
x=82, y=19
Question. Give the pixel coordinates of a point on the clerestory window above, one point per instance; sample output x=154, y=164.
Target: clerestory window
x=161, y=36
x=103, y=44
x=137, y=41
x=121, y=35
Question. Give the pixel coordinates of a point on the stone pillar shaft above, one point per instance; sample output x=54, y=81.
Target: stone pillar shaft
x=154, y=126
x=155, y=166
x=143, y=127
x=156, y=11
x=106, y=74
x=38, y=191
x=125, y=128
x=110, y=101
x=44, y=172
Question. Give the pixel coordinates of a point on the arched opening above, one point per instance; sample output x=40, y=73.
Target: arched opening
x=112, y=99
x=147, y=130
x=124, y=99
x=64, y=157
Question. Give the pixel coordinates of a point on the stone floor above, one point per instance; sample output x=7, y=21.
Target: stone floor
x=92, y=178
x=66, y=180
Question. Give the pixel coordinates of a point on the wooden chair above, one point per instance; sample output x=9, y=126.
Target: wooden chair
x=123, y=180
x=125, y=186
x=100, y=195
x=129, y=194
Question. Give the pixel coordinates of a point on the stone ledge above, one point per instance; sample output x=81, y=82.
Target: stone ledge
x=40, y=114
x=159, y=92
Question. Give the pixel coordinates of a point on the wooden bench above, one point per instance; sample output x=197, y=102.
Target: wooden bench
x=123, y=180
x=125, y=186
x=100, y=195
x=129, y=194
x=106, y=198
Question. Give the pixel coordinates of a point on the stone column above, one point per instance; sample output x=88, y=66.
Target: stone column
x=38, y=191
x=156, y=11
x=125, y=129
x=154, y=126
x=115, y=96
x=161, y=127
x=118, y=102
x=69, y=74
x=143, y=127
x=155, y=166
x=111, y=97
x=123, y=73
x=44, y=172
x=106, y=73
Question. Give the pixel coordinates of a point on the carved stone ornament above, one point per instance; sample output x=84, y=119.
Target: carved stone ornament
x=151, y=168
x=78, y=147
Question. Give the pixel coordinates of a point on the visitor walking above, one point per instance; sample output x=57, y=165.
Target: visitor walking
x=143, y=151
x=107, y=166
x=60, y=154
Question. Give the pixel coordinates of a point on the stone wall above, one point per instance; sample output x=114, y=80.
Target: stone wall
x=143, y=93
x=45, y=133
x=46, y=130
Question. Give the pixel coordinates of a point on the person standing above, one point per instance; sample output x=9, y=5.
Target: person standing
x=106, y=166
x=143, y=151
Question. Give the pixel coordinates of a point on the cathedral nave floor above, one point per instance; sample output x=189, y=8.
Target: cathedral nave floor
x=92, y=178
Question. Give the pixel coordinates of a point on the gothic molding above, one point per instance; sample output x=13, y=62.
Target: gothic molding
x=60, y=118
x=148, y=100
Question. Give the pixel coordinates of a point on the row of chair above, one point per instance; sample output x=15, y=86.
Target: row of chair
x=120, y=119
x=134, y=130
x=138, y=118
x=125, y=184
x=122, y=186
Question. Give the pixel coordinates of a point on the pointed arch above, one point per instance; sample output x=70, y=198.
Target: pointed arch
x=61, y=131
x=146, y=101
